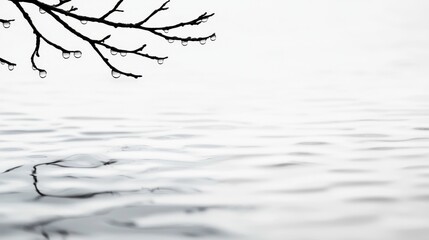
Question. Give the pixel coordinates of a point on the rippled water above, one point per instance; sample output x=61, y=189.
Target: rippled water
x=326, y=143
x=344, y=167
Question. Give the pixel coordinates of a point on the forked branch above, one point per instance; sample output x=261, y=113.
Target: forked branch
x=114, y=9
x=162, y=8
x=63, y=17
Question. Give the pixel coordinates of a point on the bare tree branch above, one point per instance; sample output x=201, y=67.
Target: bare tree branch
x=57, y=13
x=10, y=65
x=162, y=8
x=95, y=43
x=153, y=30
x=114, y=9
x=6, y=20
x=196, y=21
x=42, y=72
x=39, y=36
x=62, y=2
x=36, y=32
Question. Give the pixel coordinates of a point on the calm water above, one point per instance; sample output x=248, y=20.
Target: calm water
x=299, y=139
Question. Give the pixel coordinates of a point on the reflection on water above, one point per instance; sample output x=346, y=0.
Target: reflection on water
x=345, y=168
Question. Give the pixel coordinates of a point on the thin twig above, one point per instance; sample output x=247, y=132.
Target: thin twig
x=6, y=20
x=162, y=8
x=114, y=9
x=36, y=53
x=62, y=2
x=2, y=60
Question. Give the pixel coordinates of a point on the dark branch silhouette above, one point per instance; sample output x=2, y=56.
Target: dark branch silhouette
x=59, y=13
x=83, y=195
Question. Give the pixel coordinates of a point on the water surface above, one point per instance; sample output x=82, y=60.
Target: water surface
x=325, y=139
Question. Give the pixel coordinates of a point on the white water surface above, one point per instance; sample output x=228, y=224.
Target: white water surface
x=304, y=120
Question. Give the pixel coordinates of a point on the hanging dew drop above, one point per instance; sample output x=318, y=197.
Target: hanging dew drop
x=213, y=38
x=115, y=74
x=205, y=20
x=185, y=43
x=2, y=63
x=77, y=54
x=11, y=67
x=123, y=54
x=113, y=52
x=203, y=41
x=166, y=31
x=160, y=61
x=66, y=55
x=170, y=40
x=43, y=74
x=83, y=22
x=6, y=24
x=42, y=11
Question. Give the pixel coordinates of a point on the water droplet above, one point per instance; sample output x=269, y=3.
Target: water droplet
x=43, y=73
x=115, y=74
x=204, y=20
x=11, y=67
x=123, y=54
x=185, y=43
x=203, y=41
x=77, y=54
x=213, y=38
x=160, y=61
x=166, y=31
x=6, y=24
x=83, y=22
x=34, y=69
x=42, y=11
x=2, y=63
x=170, y=40
x=113, y=52
x=66, y=55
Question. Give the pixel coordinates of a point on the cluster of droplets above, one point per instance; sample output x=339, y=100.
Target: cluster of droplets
x=114, y=53
x=10, y=66
x=202, y=41
x=6, y=24
x=76, y=54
